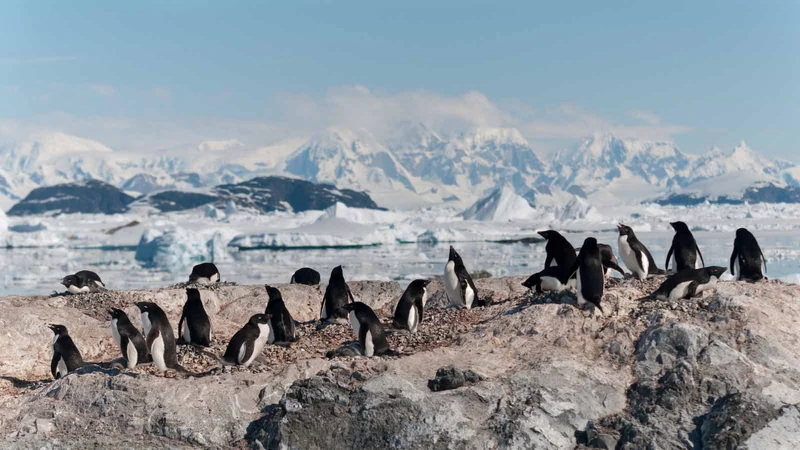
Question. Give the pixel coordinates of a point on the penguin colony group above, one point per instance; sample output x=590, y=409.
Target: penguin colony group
x=583, y=270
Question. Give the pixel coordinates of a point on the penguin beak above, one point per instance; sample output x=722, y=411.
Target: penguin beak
x=426, y=283
x=52, y=327
x=64, y=282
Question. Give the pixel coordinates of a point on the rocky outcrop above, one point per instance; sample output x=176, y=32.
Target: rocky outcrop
x=721, y=371
x=90, y=197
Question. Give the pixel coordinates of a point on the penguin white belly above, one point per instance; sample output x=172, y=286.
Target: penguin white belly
x=157, y=351
x=551, y=284
x=572, y=283
x=369, y=346
x=469, y=296
x=324, y=314
x=412, y=319
x=214, y=278
x=187, y=335
x=697, y=263
x=242, y=353
x=271, y=337
x=61, y=369
x=707, y=286
x=203, y=281
x=738, y=269
x=146, y=323
x=628, y=255
x=132, y=355
x=115, y=331
x=581, y=300
x=451, y=284
x=76, y=290
x=355, y=324
x=258, y=345
x=424, y=296
x=679, y=291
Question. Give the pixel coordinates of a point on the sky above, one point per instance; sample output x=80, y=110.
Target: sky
x=148, y=75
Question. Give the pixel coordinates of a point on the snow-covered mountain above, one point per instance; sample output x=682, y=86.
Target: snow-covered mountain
x=502, y=205
x=414, y=166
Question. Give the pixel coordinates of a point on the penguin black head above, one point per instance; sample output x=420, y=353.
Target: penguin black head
x=454, y=256
x=716, y=271
x=116, y=313
x=624, y=230
x=547, y=234
x=192, y=294
x=590, y=243
x=58, y=330
x=419, y=284
x=260, y=319
x=680, y=227
x=273, y=293
x=531, y=281
x=145, y=306
x=70, y=280
x=743, y=233
x=337, y=273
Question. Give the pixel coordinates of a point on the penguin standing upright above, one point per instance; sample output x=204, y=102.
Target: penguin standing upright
x=194, y=326
x=558, y=249
x=368, y=329
x=159, y=336
x=83, y=281
x=747, y=258
x=246, y=345
x=688, y=283
x=635, y=255
x=66, y=357
x=129, y=339
x=337, y=294
x=589, y=272
x=307, y=276
x=282, y=327
x=609, y=259
x=458, y=284
x=684, y=250
x=204, y=273
x=408, y=313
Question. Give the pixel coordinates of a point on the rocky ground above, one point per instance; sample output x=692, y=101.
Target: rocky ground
x=720, y=371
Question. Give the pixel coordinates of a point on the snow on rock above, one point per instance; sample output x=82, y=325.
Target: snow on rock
x=171, y=250
x=213, y=213
x=502, y=205
x=360, y=215
x=579, y=209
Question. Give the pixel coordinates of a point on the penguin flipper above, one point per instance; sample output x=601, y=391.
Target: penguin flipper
x=700, y=254
x=669, y=255
x=548, y=260
x=180, y=328
x=614, y=266
x=691, y=290
x=246, y=351
x=733, y=260
x=350, y=297
x=54, y=365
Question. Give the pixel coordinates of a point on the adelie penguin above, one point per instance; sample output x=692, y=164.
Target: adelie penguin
x=194, y=326
x=684, y=250
x=337, y=295
x=83, y=281
x=747, y=259
x=204, y=273
x=590, y=274
x=307, y=276
x=458, y=284
x=282, y=327
x=635, y=255
x=368, y=329
x=609, y=259
x=688, y=283
x=558, y=249
x=408, y=313
x=128, y=338
x=159, y=336
x=246, y=345
x=66, y=357
x=551, y=279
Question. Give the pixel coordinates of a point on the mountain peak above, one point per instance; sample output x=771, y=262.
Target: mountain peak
x=501, y=136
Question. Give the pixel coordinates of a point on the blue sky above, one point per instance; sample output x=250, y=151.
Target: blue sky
x=141, y=74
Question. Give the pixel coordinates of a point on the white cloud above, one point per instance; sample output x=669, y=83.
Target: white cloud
x=103, y=90
x=645, y=116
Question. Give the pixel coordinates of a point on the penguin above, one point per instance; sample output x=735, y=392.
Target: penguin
x=281, y=322
x=688, y=283
x=205, y=273
x=368, y=329
x=128, y=338
x=458, y=284
x=590, y=274
x=337, y=294
x=684, y=250
x=635, y=255
x=66, y=357
x=194, y=326
x=558, y=249
x=246, y=345
x=747, y=258
x=307, y=276
x=408, y=313
x=551, y=279
x=83, y=281
x=159, y=336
